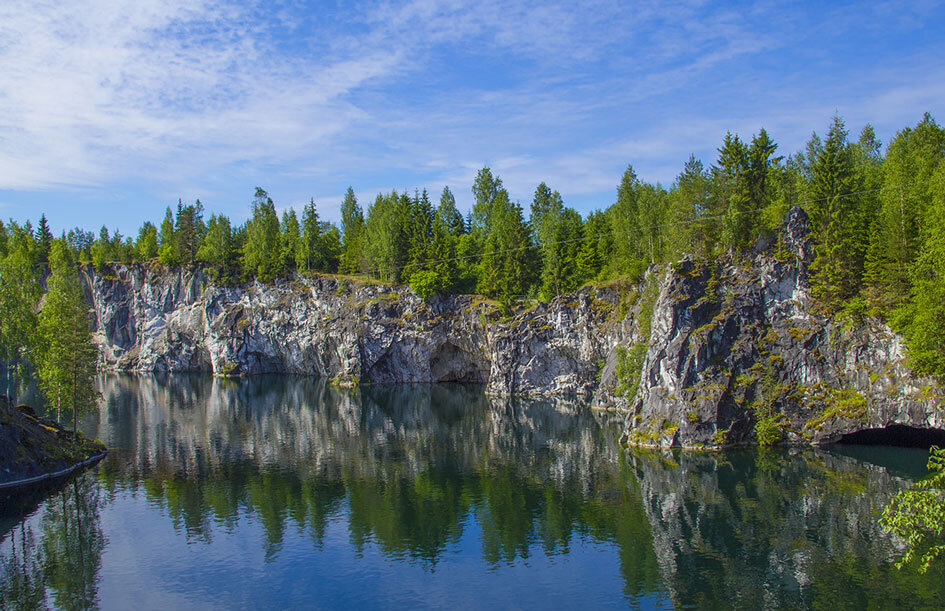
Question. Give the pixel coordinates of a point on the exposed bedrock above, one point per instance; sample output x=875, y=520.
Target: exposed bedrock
x=730, y=343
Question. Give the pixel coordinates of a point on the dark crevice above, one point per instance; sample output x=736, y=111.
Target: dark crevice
x=896, y=435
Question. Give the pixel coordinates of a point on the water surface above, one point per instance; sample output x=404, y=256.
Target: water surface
x=281, y=492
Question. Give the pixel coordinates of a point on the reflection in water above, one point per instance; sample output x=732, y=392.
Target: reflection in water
x=406, y=466
x=456, y=492
x=66, y=559
x=762, y=529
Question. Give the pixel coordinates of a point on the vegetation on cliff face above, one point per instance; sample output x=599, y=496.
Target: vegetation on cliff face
x=877, y=223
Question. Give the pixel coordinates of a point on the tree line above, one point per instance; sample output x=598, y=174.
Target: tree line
x=877, y=215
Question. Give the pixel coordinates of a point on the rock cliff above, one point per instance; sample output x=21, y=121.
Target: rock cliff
x=701, y=354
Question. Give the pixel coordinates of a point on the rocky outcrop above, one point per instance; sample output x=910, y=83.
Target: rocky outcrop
x=34, y=449
x=700, y=354
x=152, y=320
x=739, y=352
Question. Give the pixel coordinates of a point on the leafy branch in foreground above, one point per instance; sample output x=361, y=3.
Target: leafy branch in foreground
x=918, y=515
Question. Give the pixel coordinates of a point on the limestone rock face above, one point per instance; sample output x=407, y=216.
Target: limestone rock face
x=731, y=347
x=734, y=344
x=149, y=320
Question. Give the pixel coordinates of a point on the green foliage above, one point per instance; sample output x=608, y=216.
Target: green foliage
x=262, y=255
x=503, y=271
x=627, y=371
x=917, y=516
x=67, y=363
x=876, y=230
x=837, y=221
x=352, y=230
x=425, y=284
x=768, y=429
x=166, y=252
x=846, y=403
x=146, y=246
x=19, y=293
x=218, y=249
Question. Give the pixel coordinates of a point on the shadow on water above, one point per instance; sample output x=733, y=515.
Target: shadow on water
x=424, y=474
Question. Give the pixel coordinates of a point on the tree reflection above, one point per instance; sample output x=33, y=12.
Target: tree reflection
x=407, y=467
x=775, y=528
x=65, y=562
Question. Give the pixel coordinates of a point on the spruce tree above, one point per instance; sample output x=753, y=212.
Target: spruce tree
x=696, y=225
x=731, y=180
x=625, y=224
x=44, y=240
x=836, y=223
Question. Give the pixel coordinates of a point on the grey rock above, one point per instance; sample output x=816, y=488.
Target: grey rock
x=729, y=343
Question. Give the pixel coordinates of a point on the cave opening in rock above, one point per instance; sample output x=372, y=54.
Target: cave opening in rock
x=449, y=363
x=896, y=435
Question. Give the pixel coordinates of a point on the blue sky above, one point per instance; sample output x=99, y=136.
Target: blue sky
x=112, y=110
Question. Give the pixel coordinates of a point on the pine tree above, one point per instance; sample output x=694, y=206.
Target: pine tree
x=628, y=235
x=419, y=234
x=188, y=232
x=696, y=223
x=596, y=246
x=763, y=170
x=503, y=268
x=67, y=366
x=101, y=249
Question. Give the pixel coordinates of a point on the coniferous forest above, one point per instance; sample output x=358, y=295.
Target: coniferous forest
x=877, y=215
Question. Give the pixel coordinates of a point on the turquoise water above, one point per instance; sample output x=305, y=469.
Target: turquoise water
x=281, y=492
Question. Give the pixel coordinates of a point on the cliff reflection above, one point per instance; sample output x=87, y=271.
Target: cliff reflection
x=776, y=529
x=409, y=469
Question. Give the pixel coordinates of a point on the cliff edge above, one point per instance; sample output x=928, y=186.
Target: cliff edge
x=699, y=354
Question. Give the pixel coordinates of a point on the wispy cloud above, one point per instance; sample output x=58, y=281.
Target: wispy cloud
x=150, y=100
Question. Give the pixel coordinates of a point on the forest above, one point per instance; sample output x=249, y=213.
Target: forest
x=877, y=217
